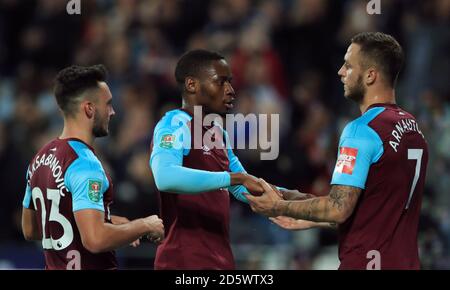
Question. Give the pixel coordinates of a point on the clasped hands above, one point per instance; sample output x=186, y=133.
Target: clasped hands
x=265, y=198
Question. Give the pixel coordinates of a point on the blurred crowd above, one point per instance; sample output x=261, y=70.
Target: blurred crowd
x=284, y=56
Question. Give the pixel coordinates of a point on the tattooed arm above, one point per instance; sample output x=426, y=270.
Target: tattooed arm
x=334, y=208
x=293, y=224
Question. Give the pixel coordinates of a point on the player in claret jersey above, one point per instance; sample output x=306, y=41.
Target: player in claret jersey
x=68, y=193
x=194, y=183
x=379, y=177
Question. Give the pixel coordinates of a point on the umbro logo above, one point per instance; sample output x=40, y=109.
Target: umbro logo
x=206, y=150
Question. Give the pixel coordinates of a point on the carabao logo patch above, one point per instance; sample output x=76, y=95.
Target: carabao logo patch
x=346, y=160
x=94, y=189
x=167, y=141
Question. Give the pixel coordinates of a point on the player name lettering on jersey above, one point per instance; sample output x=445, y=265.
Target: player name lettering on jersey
x=346, y=160
x=403, y=126
x=53, y=163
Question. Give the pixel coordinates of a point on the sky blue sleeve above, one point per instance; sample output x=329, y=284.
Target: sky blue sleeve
x=235, y=166
x=26, y=203
x=359, y=147
x=171, y=141
x=87, y=182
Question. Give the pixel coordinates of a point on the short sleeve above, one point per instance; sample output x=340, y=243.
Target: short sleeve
x=87, y=182
x=359, y=147
x=172, y=136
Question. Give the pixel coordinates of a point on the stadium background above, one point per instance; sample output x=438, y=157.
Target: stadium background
x=284, y=55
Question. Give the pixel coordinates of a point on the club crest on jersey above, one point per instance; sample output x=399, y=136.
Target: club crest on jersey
x=94, y=189
x=346, y=160
x=167, y=141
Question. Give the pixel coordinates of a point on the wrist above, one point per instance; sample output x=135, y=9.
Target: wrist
x=145, y=226
x=236, y=178
x=278, y=208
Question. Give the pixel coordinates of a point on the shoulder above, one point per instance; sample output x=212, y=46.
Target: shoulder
x=360, y=128
x=173, y=119
x=173, y=131
x=86, y=160
x=85, y=170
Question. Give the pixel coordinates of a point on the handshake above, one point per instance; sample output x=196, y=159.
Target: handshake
x=265, y=198
x=250, y=182
x=257, y=186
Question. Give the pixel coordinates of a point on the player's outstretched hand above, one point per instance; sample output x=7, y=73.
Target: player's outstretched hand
x=292, y=224
x=266, y=203
x=156, y=228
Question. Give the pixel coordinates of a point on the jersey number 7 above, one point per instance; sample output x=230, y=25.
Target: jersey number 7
x=414, y=154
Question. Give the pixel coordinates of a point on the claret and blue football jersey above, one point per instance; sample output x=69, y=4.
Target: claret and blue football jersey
x=65, y=176
x=194, y=186
x=384, y=153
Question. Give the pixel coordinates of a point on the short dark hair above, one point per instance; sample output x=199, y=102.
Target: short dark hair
x=74, y=80
x=382, y=50
x=192, y=63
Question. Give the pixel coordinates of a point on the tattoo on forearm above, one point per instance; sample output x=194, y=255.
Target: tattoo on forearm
x=337, y=196
x=312, y=207
x=341, y=200
x=274, y=208
x=288, y=207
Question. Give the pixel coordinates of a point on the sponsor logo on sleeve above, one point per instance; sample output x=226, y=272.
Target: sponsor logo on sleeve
x=167, y=141
x=94, y=189
x=346, y=160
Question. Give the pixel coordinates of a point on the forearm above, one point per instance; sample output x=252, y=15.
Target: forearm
x=179, y=179
x=113, y=236
x=118, y=220
x=334, y=208
x=31, y=234
x=296, y=195
x=238, y=192
x=319, y=209
x=30, y=227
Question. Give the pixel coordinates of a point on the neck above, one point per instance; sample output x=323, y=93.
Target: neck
x=74, y=129
x=188, y=107
x=377, y=96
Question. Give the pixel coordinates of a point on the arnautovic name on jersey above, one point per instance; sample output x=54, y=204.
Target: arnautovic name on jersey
x=402, y=127
x=53, y=163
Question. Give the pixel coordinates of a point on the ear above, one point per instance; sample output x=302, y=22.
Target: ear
x=88, y=108
x=190, y=85
x=371, y=76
